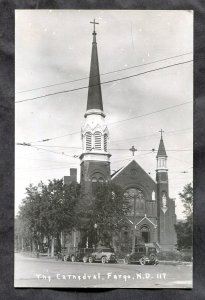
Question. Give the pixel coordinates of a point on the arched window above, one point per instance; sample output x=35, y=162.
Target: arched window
x=136, y=200
x=97, y=181
x=94, y=179
x=105, y=142
x=98, y=140
x=88, y=139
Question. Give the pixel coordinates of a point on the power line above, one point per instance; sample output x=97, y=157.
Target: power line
x=105, y=82
x=66, y=147
x=38, y=148
x=152, y=150
x=112, y=149
x=148, y=114
x=75, y=156
x=111, y=72
x=44, y=160
x=56, y=137
x=47, y=168
x=130, y=158
x=155, y=134
x=135, y=117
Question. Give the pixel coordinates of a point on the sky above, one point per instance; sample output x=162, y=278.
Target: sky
x=54, y=47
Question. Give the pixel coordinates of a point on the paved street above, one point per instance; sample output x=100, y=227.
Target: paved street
x=44, y=272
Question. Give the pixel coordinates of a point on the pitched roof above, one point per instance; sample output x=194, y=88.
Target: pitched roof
x=132, y=161
x=94, y=100
x=115, y=172
x=161, y=149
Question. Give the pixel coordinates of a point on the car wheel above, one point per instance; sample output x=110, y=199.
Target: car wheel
x=64, y=258
x=152, y=257
x=142, y=261
x=103, y=260
x=85, y=259
x=73, y=258
x=90, y=259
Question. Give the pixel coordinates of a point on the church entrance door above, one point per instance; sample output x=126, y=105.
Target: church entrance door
x=145, y=234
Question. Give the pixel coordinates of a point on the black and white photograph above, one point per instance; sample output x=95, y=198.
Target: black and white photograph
x=103, y=149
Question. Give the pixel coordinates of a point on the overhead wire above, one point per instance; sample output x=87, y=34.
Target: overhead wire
x=135, y=117
x=105, y=82
x=62, y=153
x=106, y=73
x=173, y=132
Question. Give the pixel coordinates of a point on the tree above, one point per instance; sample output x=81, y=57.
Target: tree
x=187, y=199
x=29, y=215
x=184, y=229
x=48, y=210
x=100, y=218
x=60, y=213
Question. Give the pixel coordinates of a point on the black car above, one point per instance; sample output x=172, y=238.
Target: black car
x=78, y=254
x=142, y=254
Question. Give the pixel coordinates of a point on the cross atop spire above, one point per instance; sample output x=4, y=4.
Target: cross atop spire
x=94, y=23
x=133, y=150
x=161, y=132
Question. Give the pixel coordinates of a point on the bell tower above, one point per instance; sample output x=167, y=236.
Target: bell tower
x=95, y=158
x=162, y=171
x=165, y=205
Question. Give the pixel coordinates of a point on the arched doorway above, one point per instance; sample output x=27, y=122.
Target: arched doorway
x=145, y=233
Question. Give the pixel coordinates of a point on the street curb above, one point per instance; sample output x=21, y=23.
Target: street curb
x=165, y=262
x=174, y=263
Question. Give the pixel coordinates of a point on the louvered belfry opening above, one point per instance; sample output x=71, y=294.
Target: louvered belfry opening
x=105, y=142
x=88, y=141
x=98, y=138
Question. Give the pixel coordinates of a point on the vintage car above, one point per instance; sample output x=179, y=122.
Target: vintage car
x=102, y=254
x=142, y=254
x=78, y=254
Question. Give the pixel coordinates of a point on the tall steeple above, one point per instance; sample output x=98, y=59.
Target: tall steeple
x=94, y=101
x=95, y=158
x=161, y=150
x=161, y=155
x=166, y=206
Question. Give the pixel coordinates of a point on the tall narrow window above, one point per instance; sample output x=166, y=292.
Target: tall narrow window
x=88, y=138
x=105, y=142
x=97, y=140
x=162, y=162
x=94, y=185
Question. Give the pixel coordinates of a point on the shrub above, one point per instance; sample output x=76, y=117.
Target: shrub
x=175, y=255
x=169, y=255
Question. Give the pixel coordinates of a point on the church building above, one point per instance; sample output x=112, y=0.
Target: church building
x=152, y=217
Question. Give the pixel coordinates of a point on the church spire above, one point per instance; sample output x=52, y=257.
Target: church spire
x=161, y=150
x=95, y=157
x=94, y=100
x=161, y=155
